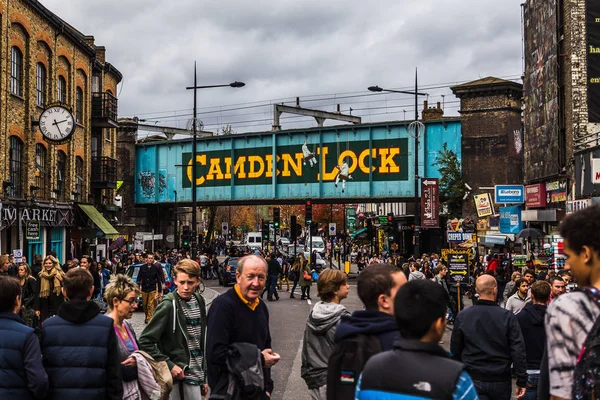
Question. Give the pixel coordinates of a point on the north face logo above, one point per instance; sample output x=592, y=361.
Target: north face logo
x=423, y=386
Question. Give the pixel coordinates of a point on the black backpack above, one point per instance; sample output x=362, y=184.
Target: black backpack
x=346, y=363
x=586, y=378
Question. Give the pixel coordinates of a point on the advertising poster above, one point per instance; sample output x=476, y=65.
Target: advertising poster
x=483, y=205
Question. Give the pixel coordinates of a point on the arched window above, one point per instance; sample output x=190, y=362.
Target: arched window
x=79, y=176
x=40, y=170
x=79, y=105
x=61, y=175
x=16, y=166
x=40, y=77
x=62, y=89
x=16, y=71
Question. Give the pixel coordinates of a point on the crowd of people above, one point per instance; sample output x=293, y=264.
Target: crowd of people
x=527, y=335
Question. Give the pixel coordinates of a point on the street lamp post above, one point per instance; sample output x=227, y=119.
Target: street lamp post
x=416, y=93
x=235, y=84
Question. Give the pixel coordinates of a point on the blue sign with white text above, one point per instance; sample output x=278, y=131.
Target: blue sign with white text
x=510, y=219
x=507, y=194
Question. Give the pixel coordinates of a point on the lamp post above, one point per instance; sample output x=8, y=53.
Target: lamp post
x=416, y=93
x=235, y=84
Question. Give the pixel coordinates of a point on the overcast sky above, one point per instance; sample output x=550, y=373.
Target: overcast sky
x=325, y=51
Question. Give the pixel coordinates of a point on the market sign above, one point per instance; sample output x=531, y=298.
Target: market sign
x=535, y=195
x=459, y=237
x=351, y=219
x=32, y=230
x=458, y=264
x=483, y=205
x=430, y=203
x=507, y=194
x=510, y=219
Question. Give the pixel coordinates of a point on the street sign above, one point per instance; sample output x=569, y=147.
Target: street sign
x=507, y=194
x=430, y=203
x=140, y=235
x=332, y=229
x=18, y=256
x=224, y=228
x=138, y=245
x=170, y=238
x=146, y=238
x=351, y=219
x=458, y=264
x=32, y=230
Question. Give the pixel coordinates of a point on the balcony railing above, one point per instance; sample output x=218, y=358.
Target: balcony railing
x=104, y=173
x=104, y=110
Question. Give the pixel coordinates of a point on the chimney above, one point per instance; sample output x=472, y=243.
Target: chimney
x=431, y=114
x=439, y=105
x=425, y=104
x=101, y=54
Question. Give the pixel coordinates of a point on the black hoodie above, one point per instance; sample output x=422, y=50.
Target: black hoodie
x=370, y=323
x=531, y=321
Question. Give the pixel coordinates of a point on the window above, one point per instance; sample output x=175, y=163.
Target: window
x=79, y=105
x=40, y=77
x=79, y=176
x=40, y=170
x=16, y=71
x=62, y=89
x=61, y=172
x=16, y=166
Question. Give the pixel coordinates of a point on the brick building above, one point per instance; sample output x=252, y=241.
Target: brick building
x=492, y=145
x=46, y=61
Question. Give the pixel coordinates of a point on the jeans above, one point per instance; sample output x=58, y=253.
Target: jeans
x=272, y=287
x=305, y=292
x=532, y=387
x=493, y=390
x=294, y=287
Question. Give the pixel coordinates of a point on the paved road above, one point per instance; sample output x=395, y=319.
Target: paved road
x=288, y=319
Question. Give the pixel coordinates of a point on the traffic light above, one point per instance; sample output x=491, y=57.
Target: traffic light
x=308, y=212
x=186, y=236
x=369, y=230
x=390, y=218
x=265, y=231
x=293, y=228
x=276, y=216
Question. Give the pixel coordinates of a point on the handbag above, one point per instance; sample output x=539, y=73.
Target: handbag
x=306, y=276
x=293, y=276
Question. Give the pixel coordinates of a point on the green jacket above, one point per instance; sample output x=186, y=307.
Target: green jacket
x=304, y=282
x=165, y=337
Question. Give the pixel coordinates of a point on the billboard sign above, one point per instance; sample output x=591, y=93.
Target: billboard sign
x=458, y=264
x=593, y=59
x=430, y=203
x=535, y=195
x=483, y=205
x=509, y=194
x=510, y=219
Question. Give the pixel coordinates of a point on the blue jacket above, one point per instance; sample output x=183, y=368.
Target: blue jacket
x=369, y=323
x=81, y=354
x=22, y=375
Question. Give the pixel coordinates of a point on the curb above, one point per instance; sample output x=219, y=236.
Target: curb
x=210, y=299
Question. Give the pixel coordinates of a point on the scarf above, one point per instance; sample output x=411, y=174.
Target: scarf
x=45, y=277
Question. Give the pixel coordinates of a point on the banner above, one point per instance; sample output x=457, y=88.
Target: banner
x=458, y=264
x=593, y=58
x=351, y=219
x=430, y=203
x=510, y=219
x=483, y=205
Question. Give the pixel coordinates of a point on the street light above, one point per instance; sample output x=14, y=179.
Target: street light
x=416, y=136
x=235, y=84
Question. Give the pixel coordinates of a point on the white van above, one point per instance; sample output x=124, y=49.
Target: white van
x=317, y=244
x=253, y=239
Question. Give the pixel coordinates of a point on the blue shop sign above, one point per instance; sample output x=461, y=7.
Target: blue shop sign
x=510, y=219
x=507, y=194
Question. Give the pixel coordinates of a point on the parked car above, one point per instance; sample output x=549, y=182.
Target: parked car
x=321, y=263
x=226, y=271
x=134, y=270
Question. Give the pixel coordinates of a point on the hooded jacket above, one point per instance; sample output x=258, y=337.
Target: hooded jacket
x=80, y=353
x=319, y=341
x=531, y=321
x=369, y=322
x=416, y=275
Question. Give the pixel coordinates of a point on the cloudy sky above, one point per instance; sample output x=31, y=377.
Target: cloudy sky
x=327, y=52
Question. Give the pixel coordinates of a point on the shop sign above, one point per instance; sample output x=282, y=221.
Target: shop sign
x=595, y=170
x=483, y=205
x=507, y=194
x=556, y=192
x=9, y=213
x=576, y=205
x=535, y=195
x=458, y=264
x=32, y=230
x=351, y=219
x=459, y=237
x=430, y=203
x=510, y=219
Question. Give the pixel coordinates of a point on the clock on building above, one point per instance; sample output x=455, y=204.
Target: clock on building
x=57, y=123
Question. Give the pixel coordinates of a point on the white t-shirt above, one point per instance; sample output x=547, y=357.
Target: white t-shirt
x=568, y=320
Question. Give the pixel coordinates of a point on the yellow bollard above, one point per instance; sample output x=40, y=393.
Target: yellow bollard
x=347, y=267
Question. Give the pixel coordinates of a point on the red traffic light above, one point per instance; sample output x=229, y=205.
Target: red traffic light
x=308, y=202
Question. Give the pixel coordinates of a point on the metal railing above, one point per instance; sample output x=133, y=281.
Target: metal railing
x=104, y=170
x=104, y=105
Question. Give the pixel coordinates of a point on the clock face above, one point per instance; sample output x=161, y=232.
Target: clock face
x=57, y=124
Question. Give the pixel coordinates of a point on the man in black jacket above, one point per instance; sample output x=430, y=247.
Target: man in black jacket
x=274, y=270
x=531, y=321
x=487, y=339
x=150, y=279
x=79, y=346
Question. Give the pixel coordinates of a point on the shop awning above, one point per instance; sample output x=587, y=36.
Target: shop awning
x=109, y=231
x=355, y=234
x=497, y=239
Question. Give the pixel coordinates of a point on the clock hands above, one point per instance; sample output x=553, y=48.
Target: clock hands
x=57, y=127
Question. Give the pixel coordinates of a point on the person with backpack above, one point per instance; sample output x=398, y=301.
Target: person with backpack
x=572, y=320
x=427, y=371
x=366, y=332
x=320, y=329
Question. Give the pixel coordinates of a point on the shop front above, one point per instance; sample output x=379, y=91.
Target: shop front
x=93, y=234
x=36, y=228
